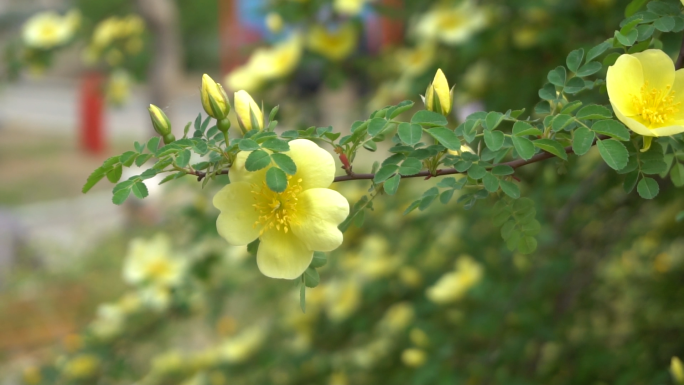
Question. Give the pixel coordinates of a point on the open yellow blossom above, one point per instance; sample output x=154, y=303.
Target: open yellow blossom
x=451, y=24
x=349, y=7
x=47, y=30
x=152, y=261
x=415, y=61
x=454, y=285
x=334, y=45
x=647, y=93
x=291, y=225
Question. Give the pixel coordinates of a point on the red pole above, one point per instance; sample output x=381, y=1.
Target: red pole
x=92, y=113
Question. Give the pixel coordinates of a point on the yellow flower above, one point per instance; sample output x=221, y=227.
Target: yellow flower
x=438, y=96
x=105, y=32
x=397, y=318
x=419, y=338
x=152, y=261
x=279, y=60
x=646, y=93
x=274, y=22
x=413, y=357
x=454, y=285
x=342, y=299
x=244, y=78
x=118, y=87
x=414, y=61
x=349, y=7
x=109, y=322
x=132, y=25
x=334, y=45
x=81, y=367
x=451, y=24
x=214, y=99
x=246, y=108
x=676, y=367
x=46, y=30
x=291, y=225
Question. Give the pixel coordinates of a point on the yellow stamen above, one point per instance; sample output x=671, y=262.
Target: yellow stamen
x=655, y=106
x=276, y=210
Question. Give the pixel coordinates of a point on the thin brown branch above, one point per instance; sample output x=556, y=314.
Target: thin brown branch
x=426, y=174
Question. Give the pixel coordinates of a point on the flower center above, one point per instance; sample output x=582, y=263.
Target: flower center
x=451, y=20
x=655, y=106
x=158, y=268
x=276, y=210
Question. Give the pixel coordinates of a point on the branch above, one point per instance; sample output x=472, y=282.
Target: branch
x=426, y=174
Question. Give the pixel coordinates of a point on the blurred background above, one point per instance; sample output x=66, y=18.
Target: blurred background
x=432, y=297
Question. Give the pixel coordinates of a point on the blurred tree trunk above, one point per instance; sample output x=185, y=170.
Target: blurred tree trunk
x=162, y=19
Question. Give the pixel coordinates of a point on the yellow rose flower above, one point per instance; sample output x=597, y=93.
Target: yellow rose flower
x=454, y=285
x=291, y=225
x=152, y=261
x=47, y=30
x=647, y=93
x=279, y=60
x=451, y=24
x=349, y=7
x=334, y=45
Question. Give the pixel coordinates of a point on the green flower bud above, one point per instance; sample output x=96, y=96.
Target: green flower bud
x=160, y=121
x=169, y=138
x=223, y=125
x=214, y=99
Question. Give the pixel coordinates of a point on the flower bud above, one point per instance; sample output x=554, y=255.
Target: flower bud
x=160, y=121
x=214, y=99
x=248, y=112
x=438, y=96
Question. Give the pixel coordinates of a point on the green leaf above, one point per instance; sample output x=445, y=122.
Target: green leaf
x=613, y=153
x=257, y=160
x=429, y=118
x=375, y=126
x=115, y=174
x=401, y=107
x=142, y=159
x=574, y=59
x=385, y=172
x=128, y=157
x=392, y=184
x=594, y=111
x=548, y=92
x=628, y=39
x=557, y=76
x=120, y=196
x=521, y=128
x=476, y=171
x=598, y=50
x=653, y=167
x=551, y=146
x=561, y=121
x=152, y=144
x=446, y=137
x=411, y=166
x=276, y=179
x=302, y=298
x=410, y=133
x=664, y=24
x=183, y=158
x=582, y=140
x=92, y=180
x=275, y=144
x=523, y=146
x=311, y=277
x=494, y=139
x=140, y=190
x=273, y=113
x=139, y=147
x=611, y=128
x=510, y=189
x=502, y=169
x=648, y=188
x=572, y=106
x=634, y=6
x=319, y=259
x=285, y=163
x=677, y=175
x=246, y=144
x=574, y=86
x=630, y=181
x=491, y=182
x=589, y=69
x=493, y=120
x=527, y=245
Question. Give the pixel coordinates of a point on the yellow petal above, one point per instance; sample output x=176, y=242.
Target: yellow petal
x=678, y=93
x=282, y=255
x=244, y=107
x=632, y=123
x=674, y=129
x=624, y=79
x=238, y=172
x=442, y=90
x=658, y=68
x=315, y=166
x=319, y=211
x=236, y=221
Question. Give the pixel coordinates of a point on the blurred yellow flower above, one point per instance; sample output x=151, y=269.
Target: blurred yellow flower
x=246, y=110
x=413, y=358
x=81, y=367
x=134, y=45
x=338, y=378
x=342, y=299
x=118, y=87
x=349, y=7
x=48, y=30
x=414, y=61
x=419, y=337
x=244, y=78
x=454, y=285
x=451, y=24
x=646, y=93
x=32, y=376
x=242, y=346
x=676, y=367
x=525, y=36
x=397, y=318
x=274, y=22
x=292, y=224
x=410, y=276
x=334, y=44
x=152, y=261
x=109, y=321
